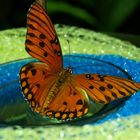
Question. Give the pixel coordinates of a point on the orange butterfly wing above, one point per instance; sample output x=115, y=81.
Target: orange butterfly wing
x=43, y=44
x=36, y=80
x=41, y=38
x=68, y=104
x=105, y=88
x=72, y=100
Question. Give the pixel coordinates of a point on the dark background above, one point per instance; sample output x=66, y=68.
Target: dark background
x=122, y=16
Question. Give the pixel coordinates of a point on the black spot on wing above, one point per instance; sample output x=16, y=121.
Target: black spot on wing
x=101, y=77
x=122, y=93
x=29, y=42
x=45, y=54
x=31, y=34
x=114, y=94
x=31, y=26
x=64, y=103
x=42, y=44
x=42, y=36
x=109, y=86
x=91, y=78
x=91, y=87
x=102, y=88
x=28, y=67
x=79, y=102
x=38, y=85
x=33, y=71
x=108, y=98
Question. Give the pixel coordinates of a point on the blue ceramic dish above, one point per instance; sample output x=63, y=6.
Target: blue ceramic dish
x=15, y=110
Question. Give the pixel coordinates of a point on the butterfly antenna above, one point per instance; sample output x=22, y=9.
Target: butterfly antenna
x=69, y=51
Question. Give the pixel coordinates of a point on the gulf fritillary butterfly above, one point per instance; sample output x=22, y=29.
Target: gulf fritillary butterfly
x=54, y=91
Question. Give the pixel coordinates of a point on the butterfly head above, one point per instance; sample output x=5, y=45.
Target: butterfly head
x=68, y=70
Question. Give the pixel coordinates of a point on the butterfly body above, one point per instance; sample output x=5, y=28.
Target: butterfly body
x=62, y=78
x=54, y=91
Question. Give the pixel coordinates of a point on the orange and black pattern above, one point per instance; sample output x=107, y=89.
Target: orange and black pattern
x=41, y=39
x=54, y=91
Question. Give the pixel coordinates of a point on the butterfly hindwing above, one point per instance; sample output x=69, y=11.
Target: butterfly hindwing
x=105, y=88
x=68, y=104
x=36, y=79
x=41, y=38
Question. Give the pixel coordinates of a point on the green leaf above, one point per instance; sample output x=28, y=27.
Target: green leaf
x=114, y=13
x=61, y=7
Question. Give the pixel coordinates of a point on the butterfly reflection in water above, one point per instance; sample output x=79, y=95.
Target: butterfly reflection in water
x=54, y=91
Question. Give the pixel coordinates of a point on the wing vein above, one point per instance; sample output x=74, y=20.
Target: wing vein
x=39, y=24
x=52, y=30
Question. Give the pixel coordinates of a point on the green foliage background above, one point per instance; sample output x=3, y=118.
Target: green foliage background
x=106, y=15
x=100, y=15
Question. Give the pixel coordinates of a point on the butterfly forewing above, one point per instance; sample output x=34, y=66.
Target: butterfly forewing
x=105, y=88
x=41, y=38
